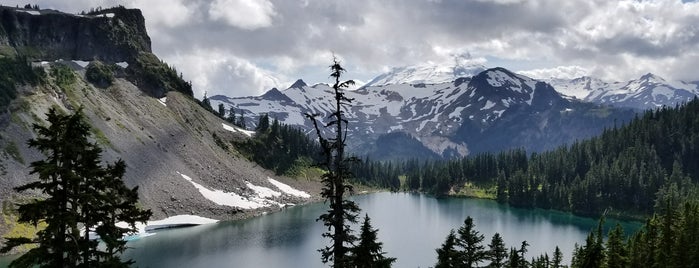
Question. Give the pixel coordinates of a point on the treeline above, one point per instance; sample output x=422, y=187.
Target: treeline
x=279, y=147
x=668, y=239
x=624, y=169
x=465, y=248
x=16, y=71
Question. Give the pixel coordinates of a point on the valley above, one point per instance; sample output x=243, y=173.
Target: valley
x=598, y=171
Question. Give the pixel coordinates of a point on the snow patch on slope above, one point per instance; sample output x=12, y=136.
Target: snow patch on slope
x=288, y=189
x=240, y=130
x=225, y=198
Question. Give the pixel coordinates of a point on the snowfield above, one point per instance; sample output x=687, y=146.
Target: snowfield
x=236, y=129
x=262, y=197
x=288, y=189
x=224, y=198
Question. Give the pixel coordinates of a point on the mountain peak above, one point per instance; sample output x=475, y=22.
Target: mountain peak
x=298, y=84
x=652, y=78
x=428, y=73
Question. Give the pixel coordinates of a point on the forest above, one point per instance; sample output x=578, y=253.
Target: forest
x=644, y=170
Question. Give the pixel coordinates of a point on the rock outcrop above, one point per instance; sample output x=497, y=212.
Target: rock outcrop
x=111, y=35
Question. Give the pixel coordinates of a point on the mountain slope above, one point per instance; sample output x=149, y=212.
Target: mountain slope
x=647, y=92
x=178, y=154
x=450, y=119
x=428, y=73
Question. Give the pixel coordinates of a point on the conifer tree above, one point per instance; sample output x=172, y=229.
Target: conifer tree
x=469, y=239
x=342, y=212
x=206, y=103
x=368, y=254
x=616, y=256
x=79, y=194
x=497, y=253
x=221, y=110
x=557, y=261
x=263, y=123
x=447, y=255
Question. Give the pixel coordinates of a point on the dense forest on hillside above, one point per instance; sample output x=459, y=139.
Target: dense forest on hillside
x=624, y=169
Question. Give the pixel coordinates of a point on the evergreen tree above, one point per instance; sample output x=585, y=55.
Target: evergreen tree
x=206, y=103
x=80, y=193
x=447, y=255
x=616, y=256
x=231, y=116
x=497, y=253
x=469, y=239
x=557, y=261
x=368, y=254
x=241, y=120
x=263, y=123
x=221, y=110
x=591, y=255
x=342, y=211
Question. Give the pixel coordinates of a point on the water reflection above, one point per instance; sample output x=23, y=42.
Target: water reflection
x=411, y=227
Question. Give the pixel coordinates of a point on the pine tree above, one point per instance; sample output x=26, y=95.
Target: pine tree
x=557, y=261
x=591, y=255
x=469, y=239
x=368, y=254
x=231, y=116
x=497, y=253
x=263, y=123
x=241, y=120
x=221, y=110
x=447, y=255
x=80, y=193
x=342, y=211
x=616, y=256
x=206, y=103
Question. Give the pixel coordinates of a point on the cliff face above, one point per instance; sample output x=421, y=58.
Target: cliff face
x=114, y=35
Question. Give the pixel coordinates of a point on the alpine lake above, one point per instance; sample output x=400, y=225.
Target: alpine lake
x=411, y=227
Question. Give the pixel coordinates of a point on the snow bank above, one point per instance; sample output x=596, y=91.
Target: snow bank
x=288, y=189
x=224, y=198
x=261, y=191
x=235, y=129
x=177, y=221
x=32, y=12
x=81, y=63
x=144, y=230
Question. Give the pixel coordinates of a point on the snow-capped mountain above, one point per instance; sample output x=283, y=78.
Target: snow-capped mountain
x=647, y=92
x=455, y=118
x=428, y=73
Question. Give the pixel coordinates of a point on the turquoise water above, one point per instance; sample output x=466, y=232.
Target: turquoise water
x=411, y=226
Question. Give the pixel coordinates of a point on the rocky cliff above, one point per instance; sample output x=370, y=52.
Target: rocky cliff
x=111, y=35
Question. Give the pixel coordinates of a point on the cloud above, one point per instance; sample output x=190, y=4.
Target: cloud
x=218, y=73
x=289, y=39
x=564, y=72
x=245, y=14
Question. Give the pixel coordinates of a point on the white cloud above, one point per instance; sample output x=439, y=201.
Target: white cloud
x=244, y=14
x=617, y=40
x=164, y=13
x=218, y=73
x=564, y=72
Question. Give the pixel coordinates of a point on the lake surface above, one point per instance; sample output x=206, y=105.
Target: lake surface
x=411, y=226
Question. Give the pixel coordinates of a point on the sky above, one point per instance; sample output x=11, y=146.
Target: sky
x=246, y=47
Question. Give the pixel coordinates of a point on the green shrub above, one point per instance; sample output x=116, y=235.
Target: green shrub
x=99, y=74
x=15, y=71
x=157, y=76
x=64, y=75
